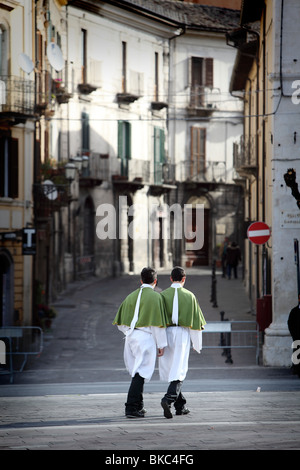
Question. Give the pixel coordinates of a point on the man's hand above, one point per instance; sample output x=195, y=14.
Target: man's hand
x=160, y=352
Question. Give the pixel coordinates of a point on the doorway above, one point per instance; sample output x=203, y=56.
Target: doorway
x=198, y=257
x=6, y=288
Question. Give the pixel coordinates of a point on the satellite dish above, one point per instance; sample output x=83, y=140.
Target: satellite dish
x=26, y=63
x=50, y=190
x=55, y=56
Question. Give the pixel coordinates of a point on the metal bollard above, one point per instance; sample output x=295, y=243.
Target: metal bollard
x=225, y=340
x=213, y=297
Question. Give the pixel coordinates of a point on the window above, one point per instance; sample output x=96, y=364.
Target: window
x=124, y=145
x=84, y=56
x=159, y=154
x=124, y=67
x=9, y=174
x=198, y=144
x=156, y=75
x=201, y=76
x=85, y=131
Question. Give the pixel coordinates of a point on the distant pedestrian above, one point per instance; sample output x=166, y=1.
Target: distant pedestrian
x=185, y=324
x=141, y=317
x=223, y=255
x=294, y=329
x=233, y=256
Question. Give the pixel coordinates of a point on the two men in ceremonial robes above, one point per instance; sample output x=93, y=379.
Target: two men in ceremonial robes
x=141, y=317
x=185, y=324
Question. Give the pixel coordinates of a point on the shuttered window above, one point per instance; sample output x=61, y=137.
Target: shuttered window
x=124, y=145
x=198, y=150
x=201, y=76
x=159, y=154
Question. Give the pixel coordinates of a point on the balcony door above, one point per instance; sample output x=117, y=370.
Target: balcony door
x=201, y=76
x=198, y=257
x=124, y=145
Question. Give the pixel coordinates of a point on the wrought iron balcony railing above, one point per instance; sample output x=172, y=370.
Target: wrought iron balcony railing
x=164, y=173
x=16, y=95
x=244, y=158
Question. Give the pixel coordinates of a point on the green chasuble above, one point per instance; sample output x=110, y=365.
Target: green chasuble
x=151, y=312
x=189, y=312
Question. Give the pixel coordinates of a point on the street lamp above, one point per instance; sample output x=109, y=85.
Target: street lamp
x=85, y=161
x=70, y=171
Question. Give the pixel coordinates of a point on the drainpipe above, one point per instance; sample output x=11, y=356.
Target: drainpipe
x=257, y=154
x=180, y=32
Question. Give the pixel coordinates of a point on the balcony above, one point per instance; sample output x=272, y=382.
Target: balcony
x=16, y=99
x=244, y=158
x=164, y=178
x=158, y=105
x=96, y=171
x=126, y=98
x=130, y=174
x=207, y=174
x=202, y=101
x=60, y=92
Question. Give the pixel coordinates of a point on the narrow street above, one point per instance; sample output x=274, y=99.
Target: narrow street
x=73, y=395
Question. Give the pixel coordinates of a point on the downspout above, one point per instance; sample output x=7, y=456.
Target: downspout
x=180, y=32
x=257, y=154
x=249, y=203
x=264, y=254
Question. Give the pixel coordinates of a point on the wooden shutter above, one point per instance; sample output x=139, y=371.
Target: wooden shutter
x=198, y=151
x=209, y=75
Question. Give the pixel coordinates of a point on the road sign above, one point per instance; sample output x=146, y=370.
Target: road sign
x=259, y=233
x=29, y=242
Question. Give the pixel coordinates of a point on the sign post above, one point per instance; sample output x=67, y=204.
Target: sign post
x=29, y=241
x=258, y=233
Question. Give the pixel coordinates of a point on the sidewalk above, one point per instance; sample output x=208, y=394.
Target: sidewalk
x=73, y=395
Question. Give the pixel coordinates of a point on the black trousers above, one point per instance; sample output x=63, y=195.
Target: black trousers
x=174, y=395
x=135, y=401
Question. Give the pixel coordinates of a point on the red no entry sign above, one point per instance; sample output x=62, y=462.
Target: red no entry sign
x=259, y=233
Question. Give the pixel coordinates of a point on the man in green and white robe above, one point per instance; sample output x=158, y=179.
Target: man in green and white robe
x=185, y=324
x=141, y=317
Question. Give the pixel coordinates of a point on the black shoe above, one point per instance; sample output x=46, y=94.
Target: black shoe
x=134, y=414
x=167, y=408
x=183, y=411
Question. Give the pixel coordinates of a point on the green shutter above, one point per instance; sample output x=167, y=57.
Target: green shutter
x=162, y=145
x=128, y=140
x=120, y=139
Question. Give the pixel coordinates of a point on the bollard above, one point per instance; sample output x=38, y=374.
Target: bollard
x=225, y=340
x=213, y=297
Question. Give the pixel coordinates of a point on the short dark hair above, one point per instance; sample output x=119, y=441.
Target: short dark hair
x=148, y=275
x=178, y=273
